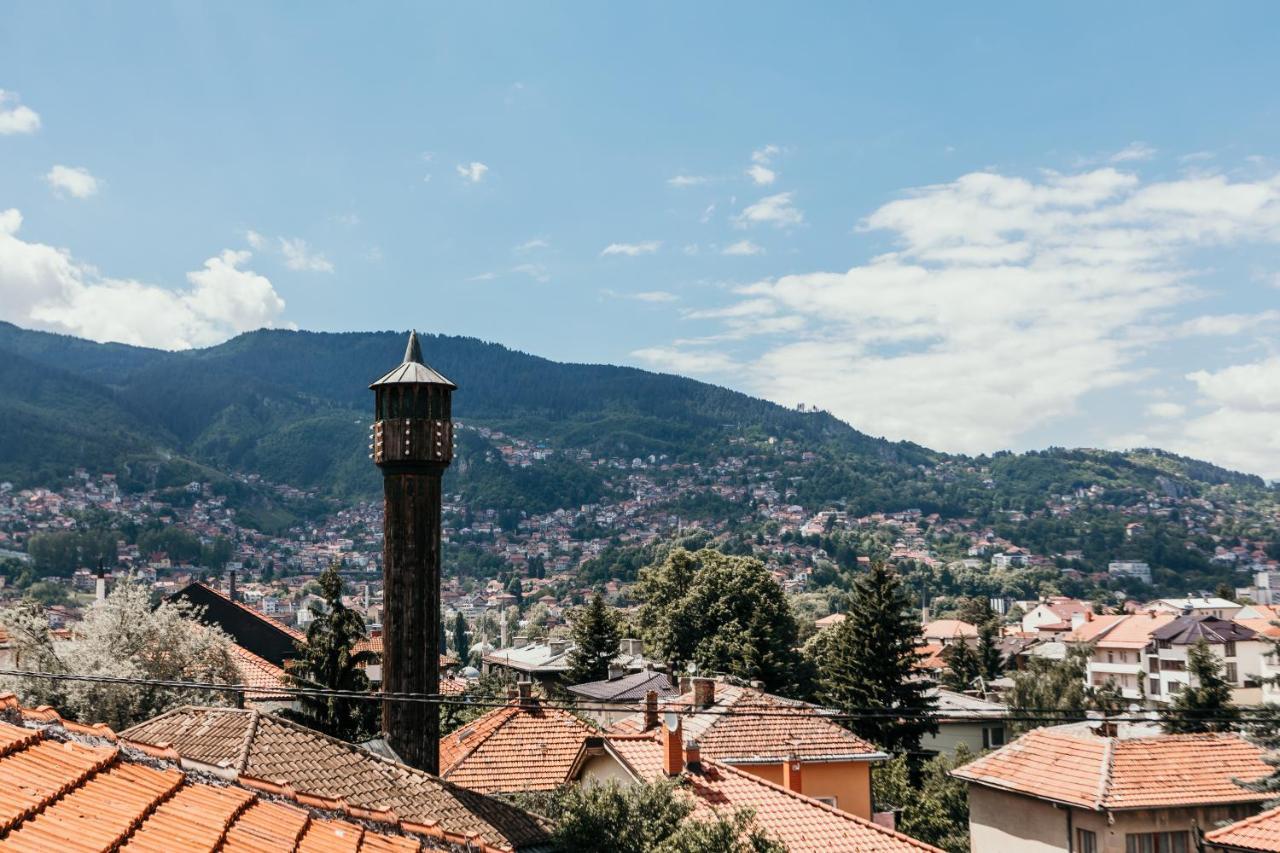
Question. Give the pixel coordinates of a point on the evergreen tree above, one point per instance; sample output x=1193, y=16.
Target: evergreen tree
x=989, y=659
x=868, y=663
x=596, y=638
x=1205, y=705
x=328, y=660
x=461, y=645
x=963, y=667
x=517, y=589
x=444, y=636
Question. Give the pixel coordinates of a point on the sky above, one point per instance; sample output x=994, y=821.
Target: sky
x=974, y=226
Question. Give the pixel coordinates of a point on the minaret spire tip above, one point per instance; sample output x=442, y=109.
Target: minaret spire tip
x=413, y=352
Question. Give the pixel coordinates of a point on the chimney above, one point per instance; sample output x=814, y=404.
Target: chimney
x=503, y=633
x=521, y=642
x=650, y=710
x=1077, y=619
x=1088, y=616
x=231, y=585
x=704, y=692
x=791, y=774
x=686, y=684
x=557, y=646
x=100, y=588
x=615, y=672
x=692, y=756
x=672, y=745
x=525, y=690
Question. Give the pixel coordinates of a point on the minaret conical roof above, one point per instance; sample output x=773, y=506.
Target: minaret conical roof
x=413, y=370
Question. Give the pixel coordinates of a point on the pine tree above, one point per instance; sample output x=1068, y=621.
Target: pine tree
x=1205, y=704
x=328, y=660
x=461, y=645
x=868, y=663
x=990, y=660
x=517, y=589
x=596, y=637
x=963, y=667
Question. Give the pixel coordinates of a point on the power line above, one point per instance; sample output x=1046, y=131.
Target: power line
x=1024, y=715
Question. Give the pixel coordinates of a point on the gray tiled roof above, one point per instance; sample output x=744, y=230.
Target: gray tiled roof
x=628, y=688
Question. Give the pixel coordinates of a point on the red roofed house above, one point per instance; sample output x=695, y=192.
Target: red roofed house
x=760, y=733
x=801, y=823
x=1067, y=788
x=1258, y=834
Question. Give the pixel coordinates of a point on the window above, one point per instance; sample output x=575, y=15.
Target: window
x=1153, y=664
x=1232, y=675
x=1164, y=644
x=1086, y=841
x=992, y=737
x=1154, y=689
x=1156, y=842
x=1229, y=648
x=1175, y=687
x=1173, y=665
x=1111, y=657
x=831, y=801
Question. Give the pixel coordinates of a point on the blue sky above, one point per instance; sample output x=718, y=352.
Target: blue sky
x=975, y=227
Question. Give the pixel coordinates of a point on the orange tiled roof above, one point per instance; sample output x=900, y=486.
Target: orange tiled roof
x=61, y=789
x=518, y=747
x=801, y=823
x=1070, y=764
x=949, y=629
x=374, y=644
x=262, y=675
x=741, y=738
x=1260, y=832
x=1128, y=631
x=258, y=746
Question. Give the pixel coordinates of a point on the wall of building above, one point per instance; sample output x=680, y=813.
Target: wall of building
x=951, y=735
x=1001, y=821
x=603, y=769
x=847, y=782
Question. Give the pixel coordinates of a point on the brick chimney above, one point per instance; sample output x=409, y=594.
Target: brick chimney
x=651, y=710
x=672, y=745
x=791, y=775
x=525, y=689
x=513, y=692
x=692, y=756
x=704, y=692
x=231, y=585
x=686, y=684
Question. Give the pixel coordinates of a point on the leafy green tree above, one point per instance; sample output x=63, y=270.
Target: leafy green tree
x=517, y=589
x=1205, y=705
x=963, y=667
x=651, y=817
x=723, y=614
x=461, y=644
x=990, y=660
x=596, y=638
x=867, y=663
x=933, y=806
x=1053, y=690
x=328, y=660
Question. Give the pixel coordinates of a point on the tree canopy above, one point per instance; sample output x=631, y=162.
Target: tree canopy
x=868, y=663
x=596, y=637
x=328, y=660
x=723, y=614
x=1204, y=705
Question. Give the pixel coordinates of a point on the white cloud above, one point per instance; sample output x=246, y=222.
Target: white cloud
x=1003, y=303
x=686, y=180
x=298, y=256
x=473, y=171
x=484, y=276
x=655, y=296
x=536, y=243
x=1132, y=152
x=44, y=287
x=776, y=210
x=765, y=155
x=74, y=181
x=742, y=247
x=631, y=250
x=16, y=118
x=1166, y=410
x=254, y=239
x=689, y=363
x=762, y=175
x=535, y=271
x=707, y=214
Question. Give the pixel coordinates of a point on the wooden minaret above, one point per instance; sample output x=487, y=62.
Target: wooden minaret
x=412, y=444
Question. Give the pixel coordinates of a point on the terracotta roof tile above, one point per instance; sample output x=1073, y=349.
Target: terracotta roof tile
x=1071, y=765
x=59, y=794
x=799, y=822
x=742, y=738
x=514, y=748
x=1260, y=832
x=266, y=678
x=264, y=747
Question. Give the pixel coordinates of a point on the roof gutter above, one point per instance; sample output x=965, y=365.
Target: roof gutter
x=807, y=759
